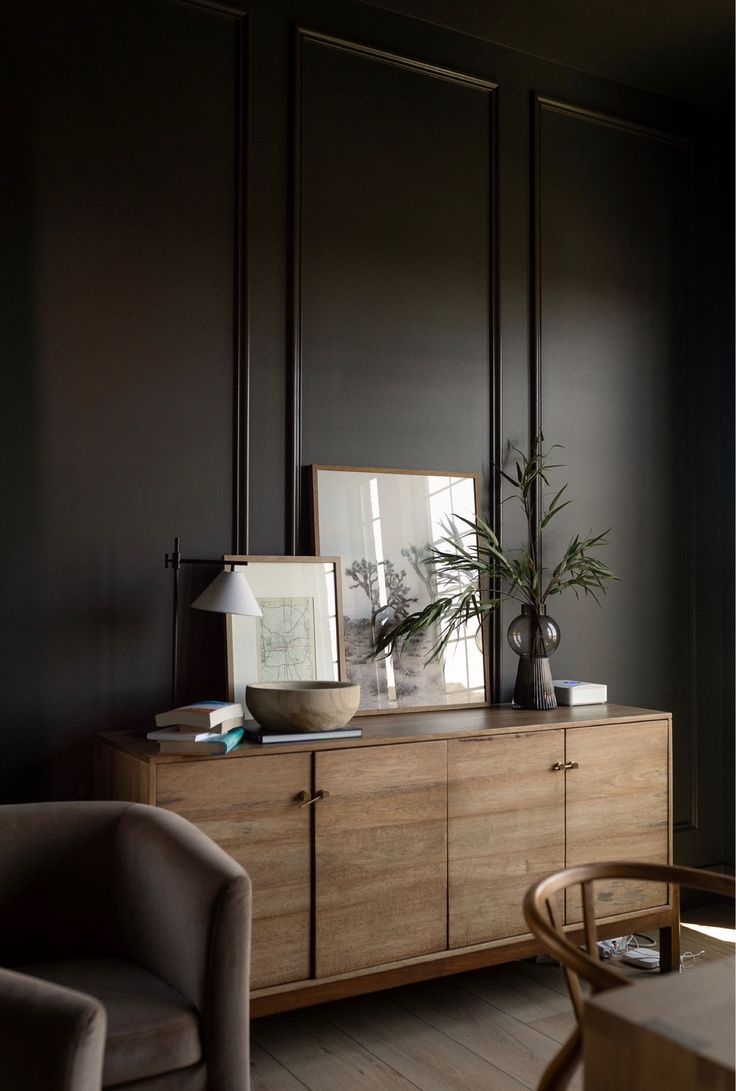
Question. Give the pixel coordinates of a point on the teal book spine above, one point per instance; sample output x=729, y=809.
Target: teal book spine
x=231, y=739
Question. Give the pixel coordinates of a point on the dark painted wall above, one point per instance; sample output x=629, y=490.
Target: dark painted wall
x=161, y=380
x=613, y=327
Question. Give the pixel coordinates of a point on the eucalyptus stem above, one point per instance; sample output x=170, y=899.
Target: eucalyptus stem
x=465, y=560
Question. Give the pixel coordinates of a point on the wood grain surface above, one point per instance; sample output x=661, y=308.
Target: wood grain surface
x=388, y=729
x=121, y=776
x=381, y=855
x=618, y=809
x=351, y=895
x=483, y=1029
x=506, y=829
x=252, y=812
x=302, y=994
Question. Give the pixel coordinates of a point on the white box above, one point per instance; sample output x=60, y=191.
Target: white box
x=569, y=692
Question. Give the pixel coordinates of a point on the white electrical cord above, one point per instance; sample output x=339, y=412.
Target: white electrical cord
x=636, y=949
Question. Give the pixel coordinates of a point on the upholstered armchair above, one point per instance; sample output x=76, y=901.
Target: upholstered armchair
x=125, y=938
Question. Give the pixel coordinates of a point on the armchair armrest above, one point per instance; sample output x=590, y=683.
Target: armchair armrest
x=185, y=911
x=51, y=1038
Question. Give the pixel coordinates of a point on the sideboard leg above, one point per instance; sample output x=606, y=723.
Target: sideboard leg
x=669, y=938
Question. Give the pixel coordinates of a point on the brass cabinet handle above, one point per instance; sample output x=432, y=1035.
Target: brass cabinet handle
x=307, y=802
x=562, y=765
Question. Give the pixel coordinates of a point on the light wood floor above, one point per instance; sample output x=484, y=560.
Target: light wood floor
x=488, y=1030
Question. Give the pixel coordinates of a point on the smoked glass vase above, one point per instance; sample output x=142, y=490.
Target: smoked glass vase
x=534, y=636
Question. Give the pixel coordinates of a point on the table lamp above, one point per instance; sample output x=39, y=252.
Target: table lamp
x=229, y=593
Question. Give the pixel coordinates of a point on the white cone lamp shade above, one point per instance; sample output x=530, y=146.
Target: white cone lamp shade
x=229, y=593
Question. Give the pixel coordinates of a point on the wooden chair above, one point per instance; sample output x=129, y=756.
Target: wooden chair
x=543, y=917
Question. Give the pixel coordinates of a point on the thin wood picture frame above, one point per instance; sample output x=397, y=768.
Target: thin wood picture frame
x=402, y=683
x=300, y=636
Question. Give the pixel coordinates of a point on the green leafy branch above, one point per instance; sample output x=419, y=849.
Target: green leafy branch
x=474, y=575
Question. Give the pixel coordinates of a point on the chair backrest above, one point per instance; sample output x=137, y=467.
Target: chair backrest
x=543, y=916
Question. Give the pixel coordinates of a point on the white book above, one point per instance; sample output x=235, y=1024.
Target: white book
x=202, y=714
x=570, y=692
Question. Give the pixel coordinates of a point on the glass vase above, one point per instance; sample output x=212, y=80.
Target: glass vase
x=534, y=636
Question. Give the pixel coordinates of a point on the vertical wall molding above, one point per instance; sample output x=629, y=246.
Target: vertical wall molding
x=296, y=508
x=539, y=104
x=535, y=301
x=240, y=532
x=241, y=307
x=294, y=505
x=496, y=409
x=692, y=822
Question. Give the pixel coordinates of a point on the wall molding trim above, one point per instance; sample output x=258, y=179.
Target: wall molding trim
x=240, y=533
x=583, y=113
x=399, y=60
x=540, y=103
x=241, y=305
x=296, y=513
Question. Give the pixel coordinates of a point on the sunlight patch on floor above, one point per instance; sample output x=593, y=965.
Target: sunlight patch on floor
x=725, y=935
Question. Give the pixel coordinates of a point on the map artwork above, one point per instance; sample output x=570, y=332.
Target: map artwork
x=286, y=649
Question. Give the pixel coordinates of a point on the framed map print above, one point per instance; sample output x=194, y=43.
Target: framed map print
x=299, y=637
x=382, y=523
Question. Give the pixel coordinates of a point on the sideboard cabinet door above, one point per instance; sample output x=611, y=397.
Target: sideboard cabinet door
x=506, y=812
x=250, y=808
x=618, y=809
x=381, y=855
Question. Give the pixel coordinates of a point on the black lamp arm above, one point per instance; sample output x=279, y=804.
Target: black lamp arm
x=175, y=561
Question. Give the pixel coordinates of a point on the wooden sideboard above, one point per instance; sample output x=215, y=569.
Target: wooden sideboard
x=405, y=854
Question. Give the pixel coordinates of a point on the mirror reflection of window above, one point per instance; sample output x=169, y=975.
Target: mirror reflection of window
x=382, y=524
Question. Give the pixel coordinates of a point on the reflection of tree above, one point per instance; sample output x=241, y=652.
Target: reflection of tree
x=364, y=575
x=422, y=563
x=397, y=591
x=424, y=568
x=418, y=558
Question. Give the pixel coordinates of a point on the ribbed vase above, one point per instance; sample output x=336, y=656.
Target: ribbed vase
x=534, y=687
x=534, y=636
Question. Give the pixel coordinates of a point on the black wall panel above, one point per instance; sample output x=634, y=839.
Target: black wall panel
x=395, y=199
x=613, y=324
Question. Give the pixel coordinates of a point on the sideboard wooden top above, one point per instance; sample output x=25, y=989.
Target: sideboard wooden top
x=410, y=727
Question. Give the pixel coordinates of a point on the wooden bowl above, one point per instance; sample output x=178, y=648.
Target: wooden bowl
x=302, y=706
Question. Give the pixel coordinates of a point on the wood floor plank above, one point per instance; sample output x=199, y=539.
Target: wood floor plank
x=551, y=976
x=487, y=1030
x=691, y=939
x=428, y=1058
x=514, y=993
x=506, y=1042
x=266, y=1074
x=557, y=1027
x=322, y=1057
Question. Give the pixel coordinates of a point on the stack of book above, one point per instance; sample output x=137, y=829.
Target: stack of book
x=207, y=727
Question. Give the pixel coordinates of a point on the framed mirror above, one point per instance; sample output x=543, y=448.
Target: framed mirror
x=381, y=522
